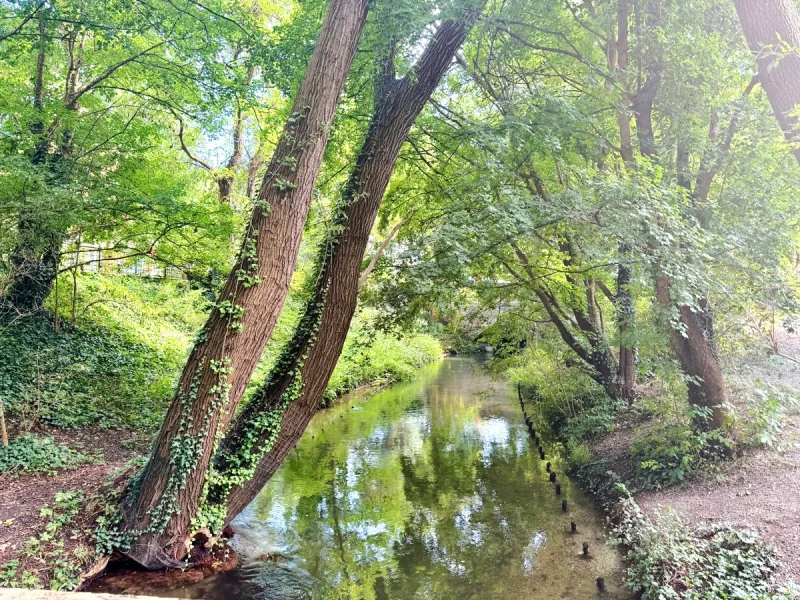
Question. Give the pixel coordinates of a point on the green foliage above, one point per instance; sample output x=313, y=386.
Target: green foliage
x=29, y=453
x=670, y=454
x=564, y=398
x=767, y=412
x=669, y=560
x=48, y=547
x=116, y=368
x=373, y=356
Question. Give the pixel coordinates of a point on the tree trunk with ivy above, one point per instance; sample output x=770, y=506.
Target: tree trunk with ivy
x=34, y=259
x=623, y=305
x=772, y=30
x=273, y=421
x=160, y=509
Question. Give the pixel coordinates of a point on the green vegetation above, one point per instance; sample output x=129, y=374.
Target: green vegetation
x=670, y=560
x=373, y=356
x=28, y=453
x=117, y=365
x=232, y=212
x=53, y=546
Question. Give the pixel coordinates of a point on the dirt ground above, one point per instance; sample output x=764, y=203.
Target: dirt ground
x=21, y=498
x=759, y=490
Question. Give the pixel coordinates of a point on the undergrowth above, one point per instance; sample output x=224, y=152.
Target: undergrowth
x=669, y=560
x=374, y=356
x=117, y=365
x=29, y=453
x=54, y=556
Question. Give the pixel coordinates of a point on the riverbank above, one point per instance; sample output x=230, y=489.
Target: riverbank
x=428, y=489
x=83, y=403
x=756, y=491
x=680, y=511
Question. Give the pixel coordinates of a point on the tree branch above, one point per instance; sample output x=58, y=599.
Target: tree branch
x=23, y=23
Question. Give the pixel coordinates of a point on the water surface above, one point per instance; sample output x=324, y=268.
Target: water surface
x=425, y=490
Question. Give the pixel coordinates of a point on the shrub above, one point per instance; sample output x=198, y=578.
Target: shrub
x=669, y=560
x=670, y=454
x=33, y=454
x=766, y=415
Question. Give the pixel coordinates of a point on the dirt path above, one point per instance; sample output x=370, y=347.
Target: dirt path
x=21, y=498
x=760, y=490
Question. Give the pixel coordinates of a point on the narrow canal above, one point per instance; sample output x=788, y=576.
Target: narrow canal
x=430, y=489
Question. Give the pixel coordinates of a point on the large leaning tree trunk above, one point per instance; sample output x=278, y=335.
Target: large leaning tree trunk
x=272, y=423
x=162, y=505
x=772, y=30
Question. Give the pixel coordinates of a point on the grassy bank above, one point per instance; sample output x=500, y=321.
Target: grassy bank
x=83, y=403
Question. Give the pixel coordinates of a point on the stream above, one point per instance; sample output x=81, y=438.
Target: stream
x=426, y=489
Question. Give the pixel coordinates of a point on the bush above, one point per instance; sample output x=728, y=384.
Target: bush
x=669, y=560
x=565, y=398
x=32, y=454
x=766, y=408
x=670, y=454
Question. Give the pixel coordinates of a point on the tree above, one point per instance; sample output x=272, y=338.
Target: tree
x=86, y=87
x=275, y=418
x=161, y=507
x=772, y=30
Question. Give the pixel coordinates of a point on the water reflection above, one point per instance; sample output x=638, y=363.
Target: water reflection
x=425, y=490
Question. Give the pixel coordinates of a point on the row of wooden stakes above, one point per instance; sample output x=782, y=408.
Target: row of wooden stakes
x=601, y=585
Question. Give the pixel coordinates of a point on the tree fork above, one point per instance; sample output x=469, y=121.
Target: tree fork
x=160, y=509
x=315, y=351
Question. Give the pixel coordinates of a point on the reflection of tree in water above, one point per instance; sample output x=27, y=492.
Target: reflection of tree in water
x=392, y=501
x=472, y=523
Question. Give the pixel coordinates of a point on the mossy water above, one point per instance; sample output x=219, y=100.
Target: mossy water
x=427, y=489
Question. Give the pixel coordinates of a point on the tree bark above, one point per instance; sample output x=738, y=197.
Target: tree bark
x=772, y=30
x=706, y=384
x=621, y=63
x=272, y=423
x=160, y=508
x=34, y=259
x=623, y=305
x=643, y=105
